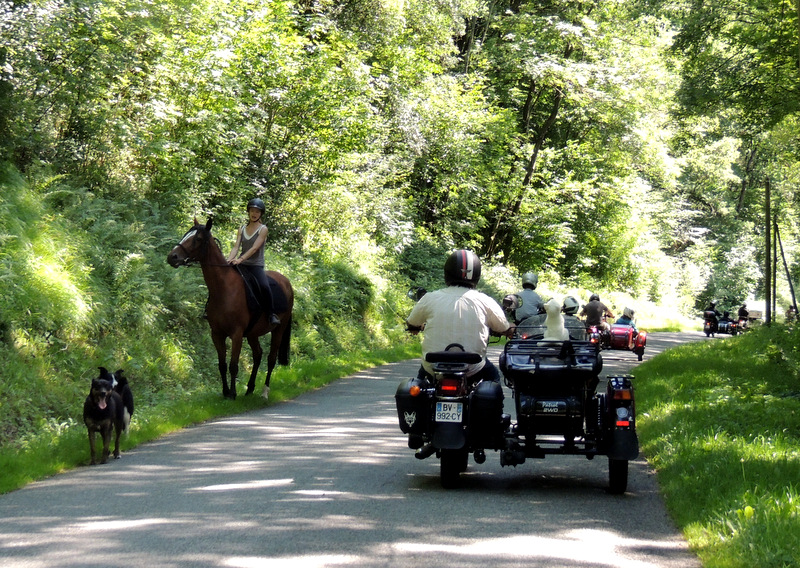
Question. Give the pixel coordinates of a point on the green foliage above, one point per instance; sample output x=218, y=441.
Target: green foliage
x=725, y=414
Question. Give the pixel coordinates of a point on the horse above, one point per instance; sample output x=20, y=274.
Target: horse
x=228, y=312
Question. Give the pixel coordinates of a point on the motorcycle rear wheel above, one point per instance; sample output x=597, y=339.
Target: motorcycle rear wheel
x=453, y=462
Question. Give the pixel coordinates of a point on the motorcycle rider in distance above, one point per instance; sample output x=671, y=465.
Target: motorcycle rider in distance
x=627, y=319
x=712, y=314
x=595, y=311
x=531, y=301
x=575, y=326
x=744, y=313
x=459, y=314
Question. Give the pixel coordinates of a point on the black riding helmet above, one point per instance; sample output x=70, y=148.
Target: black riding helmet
x=462, y=268
x=258, y=204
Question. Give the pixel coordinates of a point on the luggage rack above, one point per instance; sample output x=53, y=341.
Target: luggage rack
x=532, y=355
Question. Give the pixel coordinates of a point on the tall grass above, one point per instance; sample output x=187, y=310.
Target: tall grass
x=720, y=422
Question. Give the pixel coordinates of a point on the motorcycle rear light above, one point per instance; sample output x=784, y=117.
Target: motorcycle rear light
x=623, y=423
x=449, y=385
x=622, y=394
x=414, y=391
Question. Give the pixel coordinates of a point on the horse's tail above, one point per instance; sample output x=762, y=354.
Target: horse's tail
x=283, y=350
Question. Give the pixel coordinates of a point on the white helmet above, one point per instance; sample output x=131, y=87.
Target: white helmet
x=629, y=313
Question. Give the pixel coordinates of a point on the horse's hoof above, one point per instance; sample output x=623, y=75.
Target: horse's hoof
x=265, y=394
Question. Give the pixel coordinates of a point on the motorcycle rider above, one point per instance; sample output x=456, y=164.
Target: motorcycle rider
x=575, y=326
x=744, y=313
x=595, y=311
x=531, y=304
x=459, y=314
x=627, y=319
x=712, y=314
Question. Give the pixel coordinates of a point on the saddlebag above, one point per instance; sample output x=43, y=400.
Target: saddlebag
x=413, y=412
x=486, y=424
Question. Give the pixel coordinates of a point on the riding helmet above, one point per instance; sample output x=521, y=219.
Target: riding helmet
x=594, y=298
x=462, y=268
x=530, y=279
x=258, y=204
x=570, y=306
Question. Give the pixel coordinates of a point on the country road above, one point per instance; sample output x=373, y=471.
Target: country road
x=326, y=480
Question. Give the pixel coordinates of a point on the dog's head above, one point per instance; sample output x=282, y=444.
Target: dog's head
x=99, y=393
x=106, y=375
x=120, y=380
x=553, y=308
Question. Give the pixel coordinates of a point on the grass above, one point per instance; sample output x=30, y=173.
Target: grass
x=720, y=422
x=62, y=449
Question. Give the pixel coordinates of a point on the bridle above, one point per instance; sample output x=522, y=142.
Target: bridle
x=199, y=258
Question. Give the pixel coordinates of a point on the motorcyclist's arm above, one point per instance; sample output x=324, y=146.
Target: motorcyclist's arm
x=414, y=329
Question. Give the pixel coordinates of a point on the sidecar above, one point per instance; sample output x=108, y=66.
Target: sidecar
x=626, y=337
x=559, y=409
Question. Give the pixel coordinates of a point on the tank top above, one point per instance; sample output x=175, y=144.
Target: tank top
x=256, y=259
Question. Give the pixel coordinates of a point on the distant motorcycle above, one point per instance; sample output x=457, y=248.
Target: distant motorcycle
x=625, y=337
x=710, y=323
x=728, y=326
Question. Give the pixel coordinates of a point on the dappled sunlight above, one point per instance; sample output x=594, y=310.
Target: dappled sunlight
x=103, y=524
x=305, y=561
x=254, y=484
x=578, y=547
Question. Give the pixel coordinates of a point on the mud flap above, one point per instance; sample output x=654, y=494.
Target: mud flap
x=449, y=436
x=624, y=445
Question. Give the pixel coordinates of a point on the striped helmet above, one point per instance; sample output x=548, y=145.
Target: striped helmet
x=462, y=268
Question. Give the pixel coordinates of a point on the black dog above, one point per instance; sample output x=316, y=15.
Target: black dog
x=105, y=411
x=120, y=383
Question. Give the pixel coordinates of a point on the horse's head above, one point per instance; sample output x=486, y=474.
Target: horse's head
x=193, y=247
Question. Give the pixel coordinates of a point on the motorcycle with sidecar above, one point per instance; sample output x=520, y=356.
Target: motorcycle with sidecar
x=559, y=409
x=625, y=337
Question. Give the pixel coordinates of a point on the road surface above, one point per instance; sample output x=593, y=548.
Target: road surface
x=326, y=480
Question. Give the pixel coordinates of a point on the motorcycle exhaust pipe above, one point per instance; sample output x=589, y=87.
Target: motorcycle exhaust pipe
x=425, y=452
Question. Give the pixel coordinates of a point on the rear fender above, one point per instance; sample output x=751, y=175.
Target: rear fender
x=624, y=445
x=449, y=436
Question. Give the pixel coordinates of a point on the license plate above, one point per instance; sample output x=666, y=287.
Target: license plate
x=449, y=412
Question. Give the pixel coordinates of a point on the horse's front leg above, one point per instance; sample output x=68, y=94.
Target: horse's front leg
x=219, y=344
x=236, y=350
x=258, y=352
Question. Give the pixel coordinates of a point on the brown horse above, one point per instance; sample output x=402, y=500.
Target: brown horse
x=228, y=312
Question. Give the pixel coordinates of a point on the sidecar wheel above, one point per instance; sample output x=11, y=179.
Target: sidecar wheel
x=617, y=476
x=453, y=462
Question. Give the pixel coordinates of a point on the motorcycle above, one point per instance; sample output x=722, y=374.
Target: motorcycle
x=559, y=409
x=452, y=416
x=601, y=335
x=710, y=324
x=625, y=337
x=728, y=326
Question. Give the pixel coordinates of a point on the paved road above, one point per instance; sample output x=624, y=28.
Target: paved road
x=326, y=480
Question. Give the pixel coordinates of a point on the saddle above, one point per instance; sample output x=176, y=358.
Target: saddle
x=254, y=295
